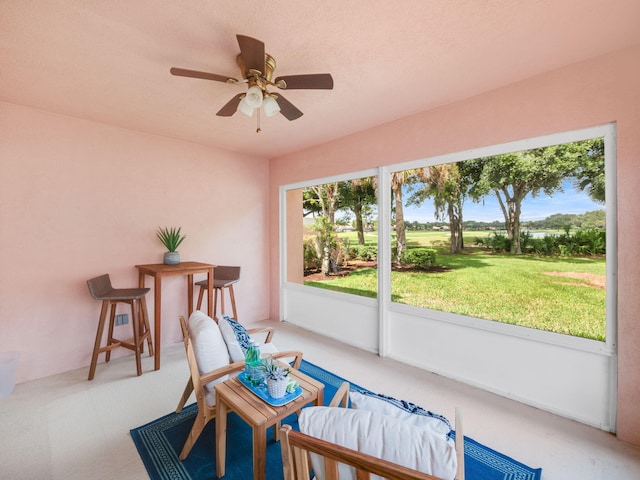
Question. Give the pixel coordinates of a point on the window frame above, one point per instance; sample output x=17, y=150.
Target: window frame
x=385, y=304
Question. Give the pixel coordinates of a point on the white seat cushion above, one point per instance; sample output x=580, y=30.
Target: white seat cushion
x=209, y=348
x=381, y=436
x=267, y=349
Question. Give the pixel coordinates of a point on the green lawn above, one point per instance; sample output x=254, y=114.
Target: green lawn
x=553, y=294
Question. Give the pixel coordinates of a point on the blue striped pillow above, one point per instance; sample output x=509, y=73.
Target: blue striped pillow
x=241, y=333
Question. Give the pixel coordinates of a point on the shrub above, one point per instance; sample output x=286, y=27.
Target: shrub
x=543, y=246
x=422, y=258
x=496, y=242
x=583, y=242
x=591, y=241
x=526, y=241
x=364, y=252
x=311, y=259
x=344, y=244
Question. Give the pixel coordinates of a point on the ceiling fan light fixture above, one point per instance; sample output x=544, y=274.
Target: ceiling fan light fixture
x=270, y=106
x=244, y=107
x=254, y=97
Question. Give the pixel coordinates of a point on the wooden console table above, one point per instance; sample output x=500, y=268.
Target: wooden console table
x=160, y=270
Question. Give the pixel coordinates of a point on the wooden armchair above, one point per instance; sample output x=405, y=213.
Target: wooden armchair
x=266, y=333
x=297, y=446
x=197, y=383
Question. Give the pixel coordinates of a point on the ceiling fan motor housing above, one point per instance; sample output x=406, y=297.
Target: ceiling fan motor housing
x=256, y=77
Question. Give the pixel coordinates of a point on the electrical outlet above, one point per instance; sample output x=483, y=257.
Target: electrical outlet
x=122, y=319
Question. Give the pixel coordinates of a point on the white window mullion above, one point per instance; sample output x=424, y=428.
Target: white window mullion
x=282, y=278
x=611, y=189
x=384, y=258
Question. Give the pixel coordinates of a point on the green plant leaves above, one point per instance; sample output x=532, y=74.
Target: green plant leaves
x=171, y=238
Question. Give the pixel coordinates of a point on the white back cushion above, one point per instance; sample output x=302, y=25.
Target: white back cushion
x=418, y=417
x=233, y=345
x=381, y=436
x=209, y=349
x=235, y=336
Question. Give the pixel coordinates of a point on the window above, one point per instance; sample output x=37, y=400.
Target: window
x=449, y=318
x=518, y=238
x=339, y=235
x=516, y=233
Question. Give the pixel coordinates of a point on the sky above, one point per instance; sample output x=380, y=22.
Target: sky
x=537, y=208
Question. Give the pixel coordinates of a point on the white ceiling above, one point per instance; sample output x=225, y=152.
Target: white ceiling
x=109, y=61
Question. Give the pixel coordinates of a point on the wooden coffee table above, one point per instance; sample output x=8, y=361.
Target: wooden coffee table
x=231, y=395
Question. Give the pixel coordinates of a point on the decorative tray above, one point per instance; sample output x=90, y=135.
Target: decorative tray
x=263, y=394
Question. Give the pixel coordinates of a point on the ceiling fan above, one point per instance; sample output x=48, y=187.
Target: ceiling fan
x=257, y=69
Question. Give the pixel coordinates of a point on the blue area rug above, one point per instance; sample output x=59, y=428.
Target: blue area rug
x=159, y=443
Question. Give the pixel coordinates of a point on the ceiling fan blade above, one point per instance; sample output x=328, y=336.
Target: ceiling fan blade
x=231, y=107
x=310, y=81
x=252, y=52
x=288, y=109
x=183, y=72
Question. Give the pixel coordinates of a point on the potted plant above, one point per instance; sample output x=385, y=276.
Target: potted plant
x=171, y=238
x=277, y=376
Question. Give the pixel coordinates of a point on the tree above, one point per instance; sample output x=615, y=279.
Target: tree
x=444, y=185
x=311, y=204
x=323, y=199
x=327, y=195
x=326, y=239
x=357, y=195
x=399, y=180
x=590, y=175
x=513, y=176
x=595, y=219
x=558, y=221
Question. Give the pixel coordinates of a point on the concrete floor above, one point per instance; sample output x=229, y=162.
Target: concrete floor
x=64, y=427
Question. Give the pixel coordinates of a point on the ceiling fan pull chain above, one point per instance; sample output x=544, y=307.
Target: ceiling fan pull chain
x=258, y=130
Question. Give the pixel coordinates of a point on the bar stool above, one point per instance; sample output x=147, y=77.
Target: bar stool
x=100, y=289
x=224, y=277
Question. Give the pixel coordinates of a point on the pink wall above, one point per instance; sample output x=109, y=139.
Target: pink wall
x=595, y=92
x=80, y=199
